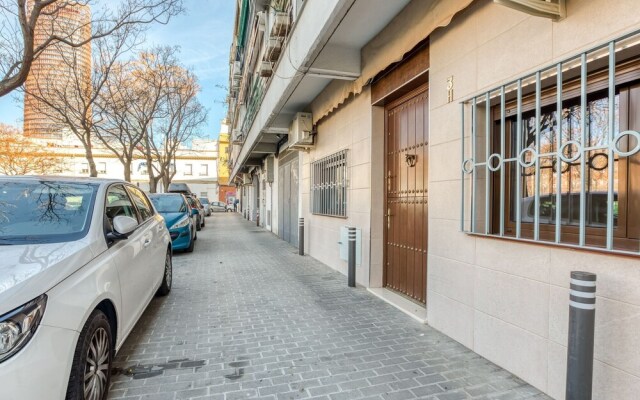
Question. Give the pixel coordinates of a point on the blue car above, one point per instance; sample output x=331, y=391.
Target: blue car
x=179, y=218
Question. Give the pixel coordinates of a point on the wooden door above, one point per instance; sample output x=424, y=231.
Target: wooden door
x=407, y=152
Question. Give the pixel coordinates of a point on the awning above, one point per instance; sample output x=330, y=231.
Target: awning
x=416, y=22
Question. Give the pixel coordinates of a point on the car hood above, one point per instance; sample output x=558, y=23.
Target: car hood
x=172, y=218
x=27, y=271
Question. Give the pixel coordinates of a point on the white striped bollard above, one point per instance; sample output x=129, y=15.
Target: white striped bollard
x=351, y=277
x=582, y=316
x=301, y=236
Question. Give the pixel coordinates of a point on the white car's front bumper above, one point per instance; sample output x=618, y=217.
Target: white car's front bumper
x=41, y=369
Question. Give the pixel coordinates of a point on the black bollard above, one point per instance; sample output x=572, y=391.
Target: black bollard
x=301, y=236
x=582, y=316
x=351, y=277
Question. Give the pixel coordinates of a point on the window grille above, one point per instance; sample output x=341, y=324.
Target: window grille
x=329, y=185
x=555, y=156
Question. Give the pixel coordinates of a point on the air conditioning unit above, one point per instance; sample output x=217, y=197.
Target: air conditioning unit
x=273, y=47
x=262, y=20
x=265, y=69
x=280, y=25
x=300, y=131
x=246, y=179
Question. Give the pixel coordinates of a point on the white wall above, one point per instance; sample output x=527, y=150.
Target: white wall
x=348, y=128
x=509, y=301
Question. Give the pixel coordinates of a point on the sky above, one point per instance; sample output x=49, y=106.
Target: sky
x=204, y=35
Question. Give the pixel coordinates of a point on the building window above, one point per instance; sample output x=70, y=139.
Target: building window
x=329, y=185
x=203, y=194
x=102, y=167
x=555, y=157
x=188, y=169
x=204, y=169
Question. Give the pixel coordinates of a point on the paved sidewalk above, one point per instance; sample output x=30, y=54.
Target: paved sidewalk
x=249, y=318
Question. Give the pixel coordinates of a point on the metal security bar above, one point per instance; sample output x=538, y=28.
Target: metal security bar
x=550, y=156
x=329, y=183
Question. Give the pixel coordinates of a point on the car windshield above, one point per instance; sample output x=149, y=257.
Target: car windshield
x=168, y=204
x=204, y=200
x=44, y=211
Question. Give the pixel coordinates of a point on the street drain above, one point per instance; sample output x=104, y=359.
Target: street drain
x=150, y=371
x=239, y=370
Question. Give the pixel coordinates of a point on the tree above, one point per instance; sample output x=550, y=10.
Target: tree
x=20, y=20
x=153, y=74
x=184, y=116
x=20, y=155
x=117, y=128
x=67, y=95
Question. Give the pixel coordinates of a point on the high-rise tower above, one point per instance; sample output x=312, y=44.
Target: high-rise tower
x=51, y=72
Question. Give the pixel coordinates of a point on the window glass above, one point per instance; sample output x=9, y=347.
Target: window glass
x=141, y=202
x=329, y=185
x=204, y=169
x=119, y=204
x=44, y=211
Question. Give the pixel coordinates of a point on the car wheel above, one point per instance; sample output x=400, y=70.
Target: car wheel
x=167, y=279
x=203, y=220
x=198, y=224
x=192, y=244
x=91, y=369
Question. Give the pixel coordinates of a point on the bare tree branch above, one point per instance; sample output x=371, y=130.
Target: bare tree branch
x=29, y=27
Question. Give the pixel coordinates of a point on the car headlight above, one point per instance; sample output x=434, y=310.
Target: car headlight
x=17, y=327
x=181, y=224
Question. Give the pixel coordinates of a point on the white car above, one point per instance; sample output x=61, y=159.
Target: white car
x=80, y=261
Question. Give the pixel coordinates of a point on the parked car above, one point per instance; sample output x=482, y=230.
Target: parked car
x=206, y=205
x=199, y=214
x=179, y=218
x=81, y=260
x=179, y=188
x=218, y=206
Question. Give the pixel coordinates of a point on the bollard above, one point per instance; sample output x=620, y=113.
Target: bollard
x=351, y=277
x=301, y=236
x=582, y=313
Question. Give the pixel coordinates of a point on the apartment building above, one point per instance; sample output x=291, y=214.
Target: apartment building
x=433, y=128
x=195, y=164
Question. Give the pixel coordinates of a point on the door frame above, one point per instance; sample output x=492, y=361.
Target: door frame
x=388, y=106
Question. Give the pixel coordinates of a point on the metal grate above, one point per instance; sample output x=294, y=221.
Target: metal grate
x=553, y=156
x=329, y=185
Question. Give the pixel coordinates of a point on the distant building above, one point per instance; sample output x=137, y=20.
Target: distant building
x=195, y=165
x=226, y=192
x=74, y=21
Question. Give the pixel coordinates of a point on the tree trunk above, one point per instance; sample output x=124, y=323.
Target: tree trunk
x=127, y=170
x=166, y=181
x=93, y=171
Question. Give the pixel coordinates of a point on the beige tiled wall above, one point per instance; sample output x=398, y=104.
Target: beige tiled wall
x=508, y=301
x=348, y=128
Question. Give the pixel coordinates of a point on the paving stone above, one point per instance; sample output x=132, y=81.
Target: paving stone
x=249, y=318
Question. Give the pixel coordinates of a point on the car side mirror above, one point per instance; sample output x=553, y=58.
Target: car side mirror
x=122, y=227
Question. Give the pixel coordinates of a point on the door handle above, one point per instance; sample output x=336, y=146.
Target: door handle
x=389, y=218
x=389, y=181
x=147, y=242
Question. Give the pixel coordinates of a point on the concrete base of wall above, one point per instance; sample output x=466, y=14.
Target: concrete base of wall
x=415, y=311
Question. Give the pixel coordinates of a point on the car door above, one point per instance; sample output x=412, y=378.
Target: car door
x=155, y=248
x=128, y=256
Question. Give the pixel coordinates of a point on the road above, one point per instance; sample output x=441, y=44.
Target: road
x=249, y=318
